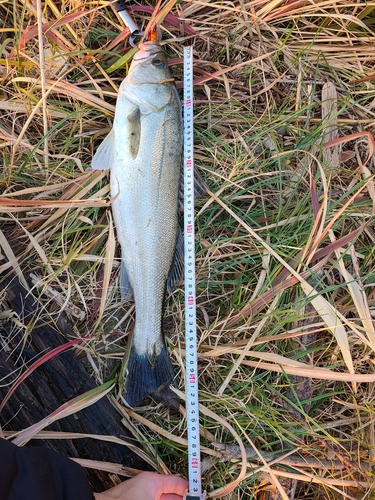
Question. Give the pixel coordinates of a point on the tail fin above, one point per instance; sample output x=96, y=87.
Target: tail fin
x=143, y=379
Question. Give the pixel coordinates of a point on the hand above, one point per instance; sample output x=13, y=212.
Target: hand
x=147, y=486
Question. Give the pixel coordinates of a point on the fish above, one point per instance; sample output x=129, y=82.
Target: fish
x=143, y=152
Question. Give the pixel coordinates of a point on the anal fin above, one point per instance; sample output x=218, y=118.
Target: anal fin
x=125, y=285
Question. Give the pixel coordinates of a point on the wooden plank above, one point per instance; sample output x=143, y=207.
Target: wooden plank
x=52, y=384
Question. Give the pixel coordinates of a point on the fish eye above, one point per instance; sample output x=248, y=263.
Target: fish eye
x=157, y=62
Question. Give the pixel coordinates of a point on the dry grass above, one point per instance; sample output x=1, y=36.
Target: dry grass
x=285, y=237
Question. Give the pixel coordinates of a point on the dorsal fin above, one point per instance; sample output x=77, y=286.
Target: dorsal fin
x=177, y=267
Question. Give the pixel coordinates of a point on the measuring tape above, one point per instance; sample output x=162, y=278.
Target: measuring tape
x=192, y=403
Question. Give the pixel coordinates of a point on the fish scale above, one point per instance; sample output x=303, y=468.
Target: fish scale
x=143, y=152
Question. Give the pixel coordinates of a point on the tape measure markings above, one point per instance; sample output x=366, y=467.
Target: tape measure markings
x=192, y=403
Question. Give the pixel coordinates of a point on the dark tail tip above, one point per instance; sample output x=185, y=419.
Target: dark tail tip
x=143, y=379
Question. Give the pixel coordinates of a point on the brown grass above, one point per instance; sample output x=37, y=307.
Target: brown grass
x=284, y=121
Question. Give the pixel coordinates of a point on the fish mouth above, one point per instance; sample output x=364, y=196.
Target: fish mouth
x=147, y=49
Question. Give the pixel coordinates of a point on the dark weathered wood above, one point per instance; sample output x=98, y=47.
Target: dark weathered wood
x=51, y=385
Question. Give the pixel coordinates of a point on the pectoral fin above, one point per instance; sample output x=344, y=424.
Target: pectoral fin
x=134, y=124
x=103, y=158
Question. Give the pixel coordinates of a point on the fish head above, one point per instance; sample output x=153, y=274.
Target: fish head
x=149, y=65
x=149, y=84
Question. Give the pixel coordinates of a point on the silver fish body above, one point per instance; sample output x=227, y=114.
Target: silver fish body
x=143, y=152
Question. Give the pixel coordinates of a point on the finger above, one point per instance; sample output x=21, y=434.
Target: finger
x=170, y=496
x=171, y=485
x=174, y=485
